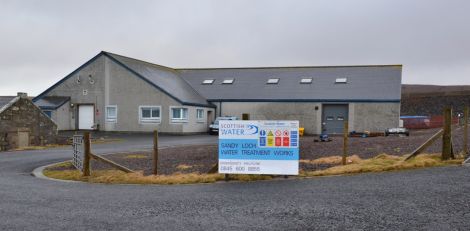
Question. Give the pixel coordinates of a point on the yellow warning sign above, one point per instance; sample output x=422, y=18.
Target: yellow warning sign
x=270, y=139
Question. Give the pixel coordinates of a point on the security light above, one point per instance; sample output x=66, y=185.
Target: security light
x=90, y=79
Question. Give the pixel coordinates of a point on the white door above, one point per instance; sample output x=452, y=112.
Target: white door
x=85, y=117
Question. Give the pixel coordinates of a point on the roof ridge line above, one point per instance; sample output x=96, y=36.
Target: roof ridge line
x=139, y=60
x=254, y=67
x=278, y=67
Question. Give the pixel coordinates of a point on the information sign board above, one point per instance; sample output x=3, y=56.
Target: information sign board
x=259, y=147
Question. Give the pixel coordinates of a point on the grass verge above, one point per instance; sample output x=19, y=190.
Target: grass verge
x=356, y=165
x=384, y=162
x=40, y=147
x=62, y=171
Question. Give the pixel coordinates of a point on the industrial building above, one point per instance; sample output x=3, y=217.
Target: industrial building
x=111, y=92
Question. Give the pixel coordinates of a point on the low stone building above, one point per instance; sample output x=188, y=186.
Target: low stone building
x=23, y=124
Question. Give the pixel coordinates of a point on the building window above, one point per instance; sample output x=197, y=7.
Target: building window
x=149, y=114
x=341, y=80
x=111, y=113
x=48, y=113
x=200, y=115
x=273, y=81
x=228, y=81
x=208, y=81
x=306, y=80
x=179, y=114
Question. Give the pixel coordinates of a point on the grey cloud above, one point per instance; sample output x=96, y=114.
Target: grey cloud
x=42, y=41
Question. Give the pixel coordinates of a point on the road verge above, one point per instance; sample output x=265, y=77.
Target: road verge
x=381, y=163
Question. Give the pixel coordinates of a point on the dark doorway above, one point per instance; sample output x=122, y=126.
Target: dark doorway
x=333, y=118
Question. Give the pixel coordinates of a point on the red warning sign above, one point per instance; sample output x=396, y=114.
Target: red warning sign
x=285, y=133
x=285, y=141
x=278, y=141
x=278, y=132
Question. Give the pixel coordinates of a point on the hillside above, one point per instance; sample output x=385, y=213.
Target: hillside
x=431, y=99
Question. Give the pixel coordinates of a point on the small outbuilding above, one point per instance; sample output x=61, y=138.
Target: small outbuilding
x=24, y=124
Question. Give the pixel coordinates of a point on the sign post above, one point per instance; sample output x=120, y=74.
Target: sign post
x=155, y=153
x=259, y=147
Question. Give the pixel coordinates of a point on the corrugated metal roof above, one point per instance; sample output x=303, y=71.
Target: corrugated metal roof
x=165, y=78
x=51, y=102
x=364, y=83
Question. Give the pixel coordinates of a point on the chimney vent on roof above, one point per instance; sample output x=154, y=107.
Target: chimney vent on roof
x=22, y=95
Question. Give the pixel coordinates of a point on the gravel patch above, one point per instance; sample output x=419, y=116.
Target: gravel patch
x=201, y=158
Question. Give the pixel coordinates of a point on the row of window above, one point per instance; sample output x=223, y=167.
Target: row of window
x=152, y=114
x=272, y=81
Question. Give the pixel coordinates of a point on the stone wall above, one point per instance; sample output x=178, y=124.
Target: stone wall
x=23, y=124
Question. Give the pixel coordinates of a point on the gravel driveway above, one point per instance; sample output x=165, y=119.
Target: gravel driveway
x=201, y=158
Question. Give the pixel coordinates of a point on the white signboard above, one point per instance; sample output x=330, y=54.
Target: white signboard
x=259, y=147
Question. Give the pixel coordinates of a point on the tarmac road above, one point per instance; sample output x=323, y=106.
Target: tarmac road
x=427, y=199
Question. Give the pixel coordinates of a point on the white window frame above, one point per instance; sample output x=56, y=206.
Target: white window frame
x=110, y=119
x=200, y=119
x=152, y=120
x=178, y=120
x=272, y=81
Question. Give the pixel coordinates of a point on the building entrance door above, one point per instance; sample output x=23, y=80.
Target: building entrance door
x=333, y=118
x=85, y=117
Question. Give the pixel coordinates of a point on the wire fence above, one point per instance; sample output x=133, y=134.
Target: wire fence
x=427, y=122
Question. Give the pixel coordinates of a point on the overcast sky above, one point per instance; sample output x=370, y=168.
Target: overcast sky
x=43, y=41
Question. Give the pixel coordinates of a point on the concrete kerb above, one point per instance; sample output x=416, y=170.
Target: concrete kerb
x=38, y=172
x=466, y=162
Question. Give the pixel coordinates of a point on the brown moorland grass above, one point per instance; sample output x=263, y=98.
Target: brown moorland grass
x=40, y=147
x=119, y=177
x=183, y=167
x=333, y=160
x=384, y=162
x=136, y=156
x=380, y=163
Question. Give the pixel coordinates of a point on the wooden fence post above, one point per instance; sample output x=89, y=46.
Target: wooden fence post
x=86, y=158
x=345, y=141
x=155, y=152
x=465, y=131
x=447, y=135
